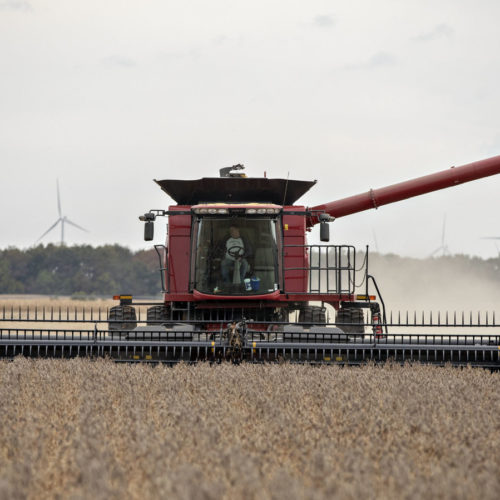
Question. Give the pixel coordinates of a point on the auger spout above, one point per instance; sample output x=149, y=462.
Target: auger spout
x=376, y=198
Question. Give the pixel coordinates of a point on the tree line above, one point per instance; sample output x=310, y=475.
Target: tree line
x=114, y=269
x=81, y=270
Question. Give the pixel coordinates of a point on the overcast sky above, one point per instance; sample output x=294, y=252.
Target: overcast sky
x=107, y=95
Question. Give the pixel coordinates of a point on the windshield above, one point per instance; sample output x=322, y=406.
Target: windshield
x=236, y=256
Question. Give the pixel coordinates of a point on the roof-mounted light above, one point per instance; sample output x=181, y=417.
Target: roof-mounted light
x=259, y=211
x=211, y=211
x=234, y=209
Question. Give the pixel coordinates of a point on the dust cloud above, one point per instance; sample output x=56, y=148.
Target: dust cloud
x=449, y=283
x=443, y=290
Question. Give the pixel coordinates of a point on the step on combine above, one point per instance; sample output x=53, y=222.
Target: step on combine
x=240, y=282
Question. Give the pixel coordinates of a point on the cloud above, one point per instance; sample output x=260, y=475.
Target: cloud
x=439, y=31
x=376, y=60
x=192, y=53
x=324, y=21
x=119, y=61
x=15, y=5
x=491, y=147
x=219, y=40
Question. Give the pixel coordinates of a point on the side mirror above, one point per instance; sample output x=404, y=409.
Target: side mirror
x=149, y=230
x=324, y=231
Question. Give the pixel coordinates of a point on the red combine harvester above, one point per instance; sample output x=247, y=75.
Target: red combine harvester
x=240, y=282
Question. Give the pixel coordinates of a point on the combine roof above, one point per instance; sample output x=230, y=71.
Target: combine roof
x=235, y=189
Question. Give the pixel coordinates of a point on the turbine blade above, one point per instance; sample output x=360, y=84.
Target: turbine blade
x=48, y=230
x=58, y=200
x=76, y=225
x=435, y=251
x=375, y=240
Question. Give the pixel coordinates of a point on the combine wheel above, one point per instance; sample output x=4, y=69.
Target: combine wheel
x=312, y=315
x=157, y=314
x=122, y=318
x=353, y=317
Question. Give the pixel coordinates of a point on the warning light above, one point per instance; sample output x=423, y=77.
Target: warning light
x=366, y=297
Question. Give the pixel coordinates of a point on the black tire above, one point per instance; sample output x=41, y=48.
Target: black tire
x=157, y=314
x=312, y=316
x=122, y=318
x=354, y=316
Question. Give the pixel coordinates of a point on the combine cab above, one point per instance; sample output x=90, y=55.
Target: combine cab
x=237, y=250
x=241, y=283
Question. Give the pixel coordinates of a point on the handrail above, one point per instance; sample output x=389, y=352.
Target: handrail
x=323, y=260
x=163, y=268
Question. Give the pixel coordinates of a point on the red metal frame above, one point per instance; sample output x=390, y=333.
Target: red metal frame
x=403, y=190
x=296, y=220
x=179, y=245
x=198, y=296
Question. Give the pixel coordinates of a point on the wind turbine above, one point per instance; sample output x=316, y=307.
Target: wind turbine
x=493, y=238
x=443, y=247
x=375, y=241
x=62, y=220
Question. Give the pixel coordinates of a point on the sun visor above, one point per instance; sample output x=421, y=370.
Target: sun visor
x=235, y=190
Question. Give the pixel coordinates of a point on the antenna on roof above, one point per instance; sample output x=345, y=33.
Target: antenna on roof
x=286, y=188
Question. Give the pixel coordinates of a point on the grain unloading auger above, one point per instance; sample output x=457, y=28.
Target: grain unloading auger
x=240, y=282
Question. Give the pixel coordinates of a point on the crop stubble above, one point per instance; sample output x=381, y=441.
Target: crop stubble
x=80, y=429
x=79, y=313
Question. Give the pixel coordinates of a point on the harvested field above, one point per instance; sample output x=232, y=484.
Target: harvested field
x=79, y=313
x=32, y=301
x=80, y=429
